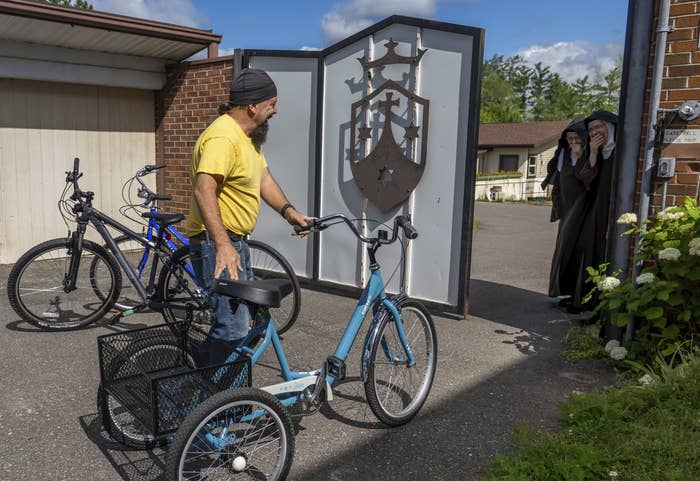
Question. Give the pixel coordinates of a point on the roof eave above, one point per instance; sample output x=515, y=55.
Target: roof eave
x=108, y=21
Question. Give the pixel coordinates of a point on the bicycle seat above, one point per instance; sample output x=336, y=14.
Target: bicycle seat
x=268, y=293
x=164, y=219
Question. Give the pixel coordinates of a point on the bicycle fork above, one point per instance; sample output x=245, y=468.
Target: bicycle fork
x=75, y=251
x=391, y=309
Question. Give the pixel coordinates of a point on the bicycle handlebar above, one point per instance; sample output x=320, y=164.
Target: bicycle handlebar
x=401, y=221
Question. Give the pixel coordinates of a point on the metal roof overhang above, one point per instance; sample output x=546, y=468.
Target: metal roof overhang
x=42, y=23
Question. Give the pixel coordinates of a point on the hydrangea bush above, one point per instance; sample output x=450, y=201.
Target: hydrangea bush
x=664, y=299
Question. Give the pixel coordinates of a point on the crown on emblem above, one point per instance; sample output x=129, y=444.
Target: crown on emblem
x=391, y=57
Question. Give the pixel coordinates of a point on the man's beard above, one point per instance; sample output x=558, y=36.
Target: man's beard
x=259, y=135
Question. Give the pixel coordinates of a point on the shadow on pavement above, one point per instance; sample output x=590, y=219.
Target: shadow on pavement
x=131, y=465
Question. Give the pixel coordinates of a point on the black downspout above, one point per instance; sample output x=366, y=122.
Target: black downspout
x=640, y=17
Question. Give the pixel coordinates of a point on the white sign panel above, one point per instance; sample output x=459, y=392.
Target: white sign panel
x=682, y=136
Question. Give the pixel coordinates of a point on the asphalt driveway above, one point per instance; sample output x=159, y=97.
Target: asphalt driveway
x=500, y=368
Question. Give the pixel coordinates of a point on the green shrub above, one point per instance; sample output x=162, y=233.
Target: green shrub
x=664, y=300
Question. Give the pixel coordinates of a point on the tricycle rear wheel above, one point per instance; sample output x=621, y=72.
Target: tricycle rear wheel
x=240, y=433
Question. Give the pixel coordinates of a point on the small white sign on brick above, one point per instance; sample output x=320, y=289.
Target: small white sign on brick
x=682, y=136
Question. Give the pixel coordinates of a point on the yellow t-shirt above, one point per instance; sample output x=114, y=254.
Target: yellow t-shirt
x=224, y=149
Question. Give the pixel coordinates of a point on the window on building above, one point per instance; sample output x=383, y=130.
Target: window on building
x=508, y=163
x=532, y=166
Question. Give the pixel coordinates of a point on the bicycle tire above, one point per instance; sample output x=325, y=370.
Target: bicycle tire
x=129, y=298
x=222, y=415
x=46, y=264
x=178, y=291
x=118, y=421
x=269, y=267
x=395, y=405
x=268, y=263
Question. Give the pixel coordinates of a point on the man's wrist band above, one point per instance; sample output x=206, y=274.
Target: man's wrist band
x=284, y=208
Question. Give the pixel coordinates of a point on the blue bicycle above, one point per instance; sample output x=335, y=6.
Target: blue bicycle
x=267, y=262
x=241, y=432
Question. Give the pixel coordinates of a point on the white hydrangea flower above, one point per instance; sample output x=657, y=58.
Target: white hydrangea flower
x=611, y=344
x=669, y=254
x=645, y=380
x=645, y=278
x=627, y=218
x=618, y=353
x=608, y=284
x=667, y=214
x=694, y=246
x=613, y=474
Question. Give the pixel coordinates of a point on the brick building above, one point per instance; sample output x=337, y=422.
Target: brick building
x=681, y=83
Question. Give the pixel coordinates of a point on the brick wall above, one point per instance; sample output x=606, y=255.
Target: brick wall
x=187, y=105
x=681, y=82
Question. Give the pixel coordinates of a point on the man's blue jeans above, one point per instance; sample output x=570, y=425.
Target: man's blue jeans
x=231, y=322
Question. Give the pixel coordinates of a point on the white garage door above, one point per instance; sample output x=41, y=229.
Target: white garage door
x=43, y=126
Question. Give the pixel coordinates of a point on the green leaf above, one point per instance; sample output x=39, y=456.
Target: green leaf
x=621, y=319
x=676, y=299
x=654, y=313
x=659, y=323
x=663, y=295
x=615, y=303
x=646, y=297
x=685, y=315
x=671, y=332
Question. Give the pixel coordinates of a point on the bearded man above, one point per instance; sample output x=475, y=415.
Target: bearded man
x=229, y=175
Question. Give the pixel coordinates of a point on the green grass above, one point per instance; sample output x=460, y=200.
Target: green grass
x=631, y=433
x=583, y=343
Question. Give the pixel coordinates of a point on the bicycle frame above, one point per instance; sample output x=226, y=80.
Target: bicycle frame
x=100, y=221
x=290, y=391
x=154, y=226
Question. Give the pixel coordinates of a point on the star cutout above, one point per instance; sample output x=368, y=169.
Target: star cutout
x=365, y=133
x=385, y=175
x=411, y=132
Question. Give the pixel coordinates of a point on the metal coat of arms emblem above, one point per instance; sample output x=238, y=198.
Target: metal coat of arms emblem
x=389, y=170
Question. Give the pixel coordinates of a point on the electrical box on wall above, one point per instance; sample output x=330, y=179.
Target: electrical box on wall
x=666, y=167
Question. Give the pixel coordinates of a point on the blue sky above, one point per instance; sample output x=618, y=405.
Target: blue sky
x=573, y=37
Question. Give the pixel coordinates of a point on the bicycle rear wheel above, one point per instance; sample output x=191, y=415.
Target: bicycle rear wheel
x=269, y=264
x=35, y=285
x=177, y=289
x=396, y=390
x=241, y=433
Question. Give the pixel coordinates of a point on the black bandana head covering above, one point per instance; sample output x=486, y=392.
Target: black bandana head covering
x=252, y=86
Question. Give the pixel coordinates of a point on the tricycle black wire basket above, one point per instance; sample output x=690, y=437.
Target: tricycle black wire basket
x=153, y=372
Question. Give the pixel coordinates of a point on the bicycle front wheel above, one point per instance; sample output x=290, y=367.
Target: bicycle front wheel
x=269, y=264
x=36, y=292
x=241, y=433
x=395, y=388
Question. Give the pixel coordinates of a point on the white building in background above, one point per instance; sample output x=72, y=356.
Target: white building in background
x=512, y=158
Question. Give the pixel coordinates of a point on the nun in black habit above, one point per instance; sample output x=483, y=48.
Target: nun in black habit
x=568, y=204
x=596, y=173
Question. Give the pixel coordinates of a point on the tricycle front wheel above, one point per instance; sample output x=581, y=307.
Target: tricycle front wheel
x=241, y=433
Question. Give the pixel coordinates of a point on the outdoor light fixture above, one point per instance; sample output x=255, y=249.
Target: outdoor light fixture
x=690, y=110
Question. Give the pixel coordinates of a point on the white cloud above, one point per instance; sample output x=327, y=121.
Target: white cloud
x=309, y=49
x=179, y=12
x=352, y=16
x=574, y=60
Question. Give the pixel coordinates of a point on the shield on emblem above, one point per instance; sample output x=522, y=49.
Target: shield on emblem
x=390, y=171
